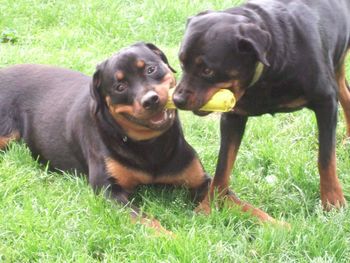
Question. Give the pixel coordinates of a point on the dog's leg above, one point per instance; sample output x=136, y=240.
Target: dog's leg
x=120, y=196
x=344, y=95
x=232, y=129
x=99, y=179
x=116, y=193
x=331, y=191
x=198, y=193
x=5, y=140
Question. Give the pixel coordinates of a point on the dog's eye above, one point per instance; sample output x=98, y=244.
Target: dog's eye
x=120, y=87
x=150, y=70
x=207, y=72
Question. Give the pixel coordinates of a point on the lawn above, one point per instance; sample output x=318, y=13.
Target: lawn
x=54, y=217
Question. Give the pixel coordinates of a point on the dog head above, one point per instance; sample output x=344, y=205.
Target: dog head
x=219, y=50
x=133, y=86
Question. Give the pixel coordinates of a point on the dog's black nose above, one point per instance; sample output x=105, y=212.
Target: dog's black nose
x=179, y=100
x=150, y=100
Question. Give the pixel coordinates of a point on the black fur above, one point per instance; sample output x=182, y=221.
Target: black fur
x=302, y=45
x=63, y=117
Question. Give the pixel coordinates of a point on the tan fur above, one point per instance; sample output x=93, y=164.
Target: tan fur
x=331, y=190
x=132, y=130
x=221, y=183
x=155, y=224
x=126, y=177
x=4, y=141
x=192, y=176
x=135, y=131
x=248, y=208
x=344, y=95
x=140, y=63
x=162, y=89
x=119, y=75
x=116, y=109
x=237, y=90
x=198, y=60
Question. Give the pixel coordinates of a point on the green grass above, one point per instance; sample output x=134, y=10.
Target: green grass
x=50, y=217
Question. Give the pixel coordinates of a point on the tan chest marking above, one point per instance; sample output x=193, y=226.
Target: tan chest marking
x=124, y=176
x=192, y=176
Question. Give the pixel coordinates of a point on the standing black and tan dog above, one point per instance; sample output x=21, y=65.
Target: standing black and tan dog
x=113, y=127
x=276, y=56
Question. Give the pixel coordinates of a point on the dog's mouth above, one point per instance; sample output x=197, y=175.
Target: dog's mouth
x=197, y=102
x=158, y=121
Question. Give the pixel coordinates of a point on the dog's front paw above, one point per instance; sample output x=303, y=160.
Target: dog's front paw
x=156, y=226
x=333, y=199
x=331, y=194
x=203, y=207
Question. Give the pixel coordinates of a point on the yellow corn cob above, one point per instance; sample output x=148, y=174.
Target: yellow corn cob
x=221, y=101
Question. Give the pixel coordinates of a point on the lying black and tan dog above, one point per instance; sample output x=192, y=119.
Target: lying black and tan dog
x=113, y=127
x=276, y=56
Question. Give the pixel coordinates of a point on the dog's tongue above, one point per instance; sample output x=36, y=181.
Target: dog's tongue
x=159, y=117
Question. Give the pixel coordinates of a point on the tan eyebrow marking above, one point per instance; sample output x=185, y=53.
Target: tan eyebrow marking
x=140, y=63
x=233, y=73
x=119, y=75
x=198, y=60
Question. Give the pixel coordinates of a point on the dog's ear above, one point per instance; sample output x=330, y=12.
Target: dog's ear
x=95, y=90
x=160, y=53
x=254, y=39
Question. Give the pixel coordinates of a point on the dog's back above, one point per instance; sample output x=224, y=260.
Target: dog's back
x=32, y=100
x=320, y=24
